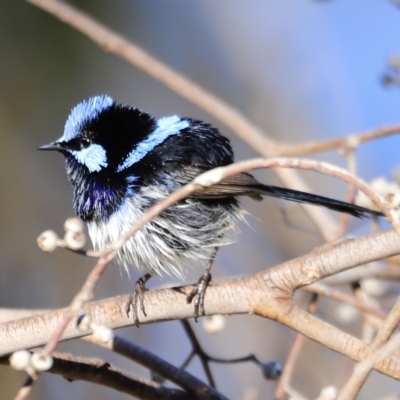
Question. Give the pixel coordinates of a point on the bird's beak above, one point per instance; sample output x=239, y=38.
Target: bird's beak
x=55, y=146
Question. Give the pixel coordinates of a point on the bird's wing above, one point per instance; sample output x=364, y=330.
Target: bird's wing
x=236, y=185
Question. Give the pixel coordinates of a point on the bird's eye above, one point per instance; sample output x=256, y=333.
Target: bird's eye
x=85, y=143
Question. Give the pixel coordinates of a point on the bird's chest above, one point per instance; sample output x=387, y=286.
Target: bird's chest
x=96, y=203
x=185, y=231
x=96, y=196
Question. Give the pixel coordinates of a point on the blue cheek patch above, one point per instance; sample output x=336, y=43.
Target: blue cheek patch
x=94, y=157
x=166, y=127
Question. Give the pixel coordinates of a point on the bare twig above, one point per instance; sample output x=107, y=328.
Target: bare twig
x=353, y=141
x=83, y=296
x=363, y=368
x=105, y=337
x=350, y=192
x=156, y=364
x=388, y=327
x=370, y=323
x=25, y=389
x=197, y=349
x=325, y=290
x=374, y=270
x=287, y=372
x=379, y=348
x=271, y=370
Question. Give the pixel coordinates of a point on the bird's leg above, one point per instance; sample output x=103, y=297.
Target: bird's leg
x=200, y=290
x=136, y=298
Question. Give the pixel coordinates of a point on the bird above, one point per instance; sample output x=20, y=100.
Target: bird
x=121, y=161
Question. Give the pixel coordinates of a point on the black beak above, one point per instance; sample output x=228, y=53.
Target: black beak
x=52, y=146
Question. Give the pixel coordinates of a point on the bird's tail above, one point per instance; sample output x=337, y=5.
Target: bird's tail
x=308, y=198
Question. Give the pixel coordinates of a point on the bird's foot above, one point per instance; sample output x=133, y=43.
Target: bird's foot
x=136, y=298
x=199, y=293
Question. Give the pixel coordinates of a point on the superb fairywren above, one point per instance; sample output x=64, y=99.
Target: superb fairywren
x=121, y=161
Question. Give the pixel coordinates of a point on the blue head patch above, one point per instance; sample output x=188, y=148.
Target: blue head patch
x=94, y=156
x=83, y=113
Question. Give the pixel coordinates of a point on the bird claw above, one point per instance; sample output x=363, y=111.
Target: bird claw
x=199, y=293
x=137, y=298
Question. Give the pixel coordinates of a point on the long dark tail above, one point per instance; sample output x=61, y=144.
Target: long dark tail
x=302, y=197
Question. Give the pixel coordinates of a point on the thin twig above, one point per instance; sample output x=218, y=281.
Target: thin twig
x=350, y=191
x=364, y=368
x=156, y=364
x=388, y=327
x=294, y=353
x=271, y=370
x=369, y=323
x=84, y=295
x=378, y=347
x=374, y=270
x=197, y=349
x=25, y=389
x=188, y=360
x=325, y=290
x=282, y=149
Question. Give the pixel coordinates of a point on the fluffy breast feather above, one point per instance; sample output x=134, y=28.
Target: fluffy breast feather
x=180, y=237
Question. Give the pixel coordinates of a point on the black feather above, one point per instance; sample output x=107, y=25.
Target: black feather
x=309, y=198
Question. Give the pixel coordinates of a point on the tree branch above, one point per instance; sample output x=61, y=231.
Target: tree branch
x=267, y=294
x=100, y=372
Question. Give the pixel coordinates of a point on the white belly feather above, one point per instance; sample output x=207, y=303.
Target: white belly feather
x=166, y=244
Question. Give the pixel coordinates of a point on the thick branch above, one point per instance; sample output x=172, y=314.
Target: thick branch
x=268, y=294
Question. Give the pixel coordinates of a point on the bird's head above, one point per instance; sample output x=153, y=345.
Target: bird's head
x=105, y=145
x=100, y=134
